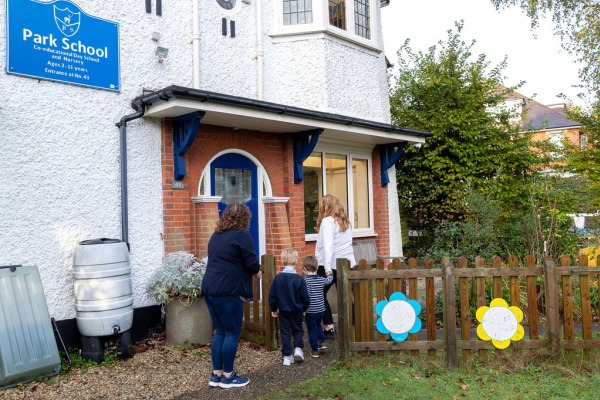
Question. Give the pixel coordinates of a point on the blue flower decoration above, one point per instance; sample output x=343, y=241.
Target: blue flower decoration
x=398, y=316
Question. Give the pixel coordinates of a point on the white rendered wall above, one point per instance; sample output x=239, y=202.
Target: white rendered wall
x=60, y=171
x=227, y=64
x=315, y=71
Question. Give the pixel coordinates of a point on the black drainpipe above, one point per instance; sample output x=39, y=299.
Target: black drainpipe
x=140, y=106
x=122, y=124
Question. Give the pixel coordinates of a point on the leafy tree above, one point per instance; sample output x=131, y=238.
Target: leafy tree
x=578, y=25
x=474, y=143
x=577, y=22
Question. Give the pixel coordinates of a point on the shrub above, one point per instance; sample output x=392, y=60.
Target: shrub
x=180, y=275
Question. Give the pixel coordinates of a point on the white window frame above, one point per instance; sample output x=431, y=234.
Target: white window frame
x=351, y=153
x=320, y=26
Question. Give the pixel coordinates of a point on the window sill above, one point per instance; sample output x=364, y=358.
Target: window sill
x=312, y=237
x=310, y=31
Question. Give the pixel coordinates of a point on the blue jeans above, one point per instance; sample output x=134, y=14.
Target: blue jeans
x=227, y=314
x=290, y=327
x=314, y=329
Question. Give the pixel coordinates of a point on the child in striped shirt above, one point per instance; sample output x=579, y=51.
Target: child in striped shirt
x=314, y=314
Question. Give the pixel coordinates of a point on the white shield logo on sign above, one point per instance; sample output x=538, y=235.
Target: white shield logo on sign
x=67, y=21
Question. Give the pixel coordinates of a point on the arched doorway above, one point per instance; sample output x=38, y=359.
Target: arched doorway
x=233, y=177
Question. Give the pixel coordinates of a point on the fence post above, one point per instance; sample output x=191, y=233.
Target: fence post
x=449, y=312
x=552, y=317
x=342, y=266
x=268, y=274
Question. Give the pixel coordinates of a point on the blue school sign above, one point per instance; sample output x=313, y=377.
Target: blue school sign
x=57, y=41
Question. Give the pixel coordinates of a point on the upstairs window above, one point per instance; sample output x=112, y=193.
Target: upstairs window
x=355, y=21
x=362, y=18
x=297, y=12
x=337, y=13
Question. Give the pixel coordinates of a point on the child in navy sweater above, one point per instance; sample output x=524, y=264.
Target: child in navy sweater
x=288, y=299
x=314, y=313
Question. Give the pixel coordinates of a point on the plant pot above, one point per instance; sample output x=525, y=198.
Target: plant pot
x=188, y=321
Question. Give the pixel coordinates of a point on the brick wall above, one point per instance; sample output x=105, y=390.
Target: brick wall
x=177, y=205
x=380, y=206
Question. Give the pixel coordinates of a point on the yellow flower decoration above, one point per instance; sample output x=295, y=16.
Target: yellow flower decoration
x=500, y=323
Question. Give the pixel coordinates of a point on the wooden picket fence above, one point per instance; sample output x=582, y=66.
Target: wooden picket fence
x=258, y=326
x=547, y=305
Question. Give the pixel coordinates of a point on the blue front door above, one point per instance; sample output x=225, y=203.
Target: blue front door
x=233, y=177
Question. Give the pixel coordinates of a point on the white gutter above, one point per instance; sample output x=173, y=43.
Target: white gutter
x=259, y=51
x=195, y=45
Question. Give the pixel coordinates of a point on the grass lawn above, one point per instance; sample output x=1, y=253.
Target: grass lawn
x=505, y=376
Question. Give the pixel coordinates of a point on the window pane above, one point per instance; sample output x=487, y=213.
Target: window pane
x=360, y=182
x=362, y=18
x=336, y=177
x=313, y=190
x=297, y=12
x=234, y=185
x=337, y=13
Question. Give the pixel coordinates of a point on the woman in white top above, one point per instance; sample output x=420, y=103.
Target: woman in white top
x=334, y=241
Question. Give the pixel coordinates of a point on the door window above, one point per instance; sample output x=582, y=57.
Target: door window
x=234, y=185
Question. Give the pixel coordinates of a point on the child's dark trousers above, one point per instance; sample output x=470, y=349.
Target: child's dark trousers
x=290, y=327
x=315, y=330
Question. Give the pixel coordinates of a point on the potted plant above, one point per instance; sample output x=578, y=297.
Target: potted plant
x=176, y=286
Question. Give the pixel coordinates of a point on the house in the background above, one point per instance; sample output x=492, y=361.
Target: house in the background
x=273, y=103
x=546, y=122
x=550, y=122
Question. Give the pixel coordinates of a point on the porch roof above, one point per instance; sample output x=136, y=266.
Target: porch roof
x=242, y=113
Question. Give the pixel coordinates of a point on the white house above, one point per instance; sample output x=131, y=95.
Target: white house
x=197, y=88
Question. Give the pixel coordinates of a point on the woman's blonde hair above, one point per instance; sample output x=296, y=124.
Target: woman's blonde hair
x=235, y=216
x=331, y=207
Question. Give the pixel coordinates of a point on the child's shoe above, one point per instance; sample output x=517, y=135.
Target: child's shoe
x=288, y=360
x=214, y=380
x=315, y=354
x=233, y=381
x=298, y=354
x=323, y=346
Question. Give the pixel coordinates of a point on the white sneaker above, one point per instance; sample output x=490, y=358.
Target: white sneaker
x=288, y=360
x=298, y=354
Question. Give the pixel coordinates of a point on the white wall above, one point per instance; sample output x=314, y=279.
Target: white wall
x=59, y=169
x=315, y=71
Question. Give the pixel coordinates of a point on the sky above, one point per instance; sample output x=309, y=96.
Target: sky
x=545, y=67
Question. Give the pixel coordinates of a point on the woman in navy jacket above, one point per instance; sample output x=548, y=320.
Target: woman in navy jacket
x=227, y=284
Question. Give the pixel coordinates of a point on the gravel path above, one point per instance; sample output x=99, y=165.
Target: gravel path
x=159, y=371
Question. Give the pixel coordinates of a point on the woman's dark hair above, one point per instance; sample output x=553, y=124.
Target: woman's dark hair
x=235, y=216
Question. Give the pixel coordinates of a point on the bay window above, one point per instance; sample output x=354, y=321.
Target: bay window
x=350, y=20
x=347, y=175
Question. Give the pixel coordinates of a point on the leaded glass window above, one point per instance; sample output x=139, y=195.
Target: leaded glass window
x=296, y=12
x=362, y=18
x=233, y=185
x=337, y=13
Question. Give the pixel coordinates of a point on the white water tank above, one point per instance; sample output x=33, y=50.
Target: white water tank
x=102, y=280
